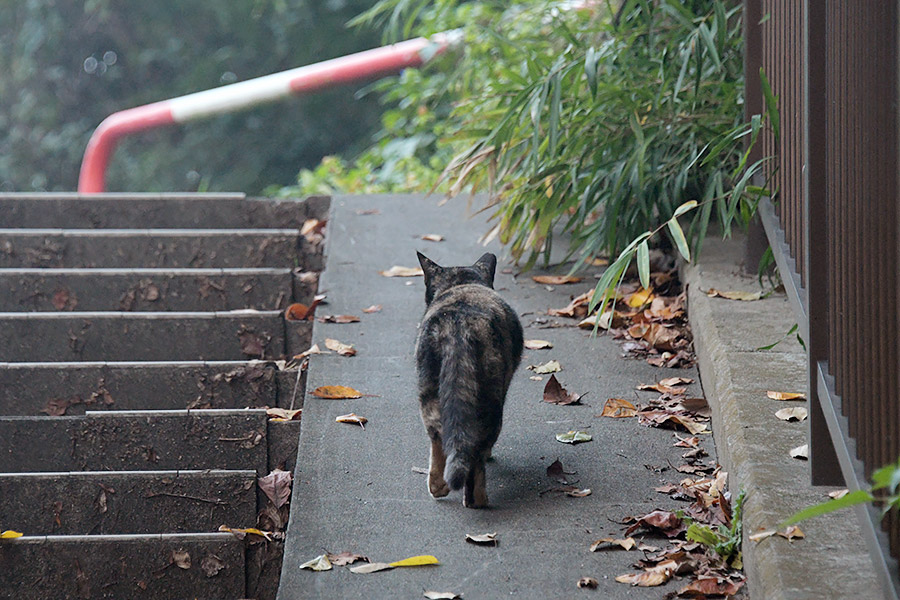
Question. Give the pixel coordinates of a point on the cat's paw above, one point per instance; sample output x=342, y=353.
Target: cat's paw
x=437, y=487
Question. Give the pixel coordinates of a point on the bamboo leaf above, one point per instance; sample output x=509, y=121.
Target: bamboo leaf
x=678, y=238
x=829, y=506
x=643, y=264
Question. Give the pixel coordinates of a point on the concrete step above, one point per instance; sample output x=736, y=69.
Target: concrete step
x=150, y=336
x=153, y=248
x=71, y=388
x=49, y=290
x=167, y=211
x=127, y=502
x=136, y=441
x=123, y=566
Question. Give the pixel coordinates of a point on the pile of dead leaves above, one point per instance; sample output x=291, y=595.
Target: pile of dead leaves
x=651, y=322
x=672, y=408
x=701, y=544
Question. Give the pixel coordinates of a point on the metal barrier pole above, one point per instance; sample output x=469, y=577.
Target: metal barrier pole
x=237, y=96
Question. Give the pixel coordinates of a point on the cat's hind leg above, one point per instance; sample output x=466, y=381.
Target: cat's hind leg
x=437, y=486
x=475, y=492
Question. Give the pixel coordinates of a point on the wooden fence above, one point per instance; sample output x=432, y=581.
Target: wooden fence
x=833, y=225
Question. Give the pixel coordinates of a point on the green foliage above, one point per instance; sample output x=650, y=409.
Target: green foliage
x=724, y=540
x=885, y=480
x=67, y=65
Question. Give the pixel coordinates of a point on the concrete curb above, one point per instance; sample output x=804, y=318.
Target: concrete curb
x=753, y=445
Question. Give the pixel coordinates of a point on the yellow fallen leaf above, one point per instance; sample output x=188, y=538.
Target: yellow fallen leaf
x=319, y=563
x=242, y=533
x=398, y=271
x=786, y=395
x=645, y=578
x=416, y=561
x=734, y=295
x=9, y=534
x=538, y=345
x=336, y=392
x=640, y=297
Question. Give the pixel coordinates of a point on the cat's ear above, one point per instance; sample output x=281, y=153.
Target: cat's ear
x=487, y=266
x=429, y=267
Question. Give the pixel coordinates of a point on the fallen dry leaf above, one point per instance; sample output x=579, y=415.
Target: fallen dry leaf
x=794, y=413
x=63, y=299
x=416, y=561
x=791, y=533
x=211, y=565
x=555, y=393
x=433, y=237
x=483, y=539
x=538, y=345
x=661, y=417
x=319, y=563
x=352, y=419
x=618, y=408
x=645, y=578
x=639, y=298
x=665, y=521
x=574, y=492
x=662, y=388
x=340, y=347
x=711, y=586
x=345, y=558
x=9, y=534
x=588, y=582
x=577, y=308
x=838, y=493
x=313, y=226
x=441, y=595
x=551, y=366
x=398, y=271
x=555, y=279
x=336, y=392
x=181, y=559
x=277, y=486
x=557, y=472
x=786, y=395
x=373, y=309
x=761, y=535
x=734, y=295
x=242, y=533
x=800, y=452
x=283, y=414
x=671, y=381
x=371, y=567
x=341, y=319
x=573, y=437
x=301, y=312
x=624, y=543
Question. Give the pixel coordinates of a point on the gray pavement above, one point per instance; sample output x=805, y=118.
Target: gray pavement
x=359, y=490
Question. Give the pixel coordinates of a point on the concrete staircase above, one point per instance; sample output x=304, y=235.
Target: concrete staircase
x=141, y=344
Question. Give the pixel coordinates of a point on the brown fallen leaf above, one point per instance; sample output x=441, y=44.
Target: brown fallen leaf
x=618, y=408
x=313, y=227
x=301, y=312
x=665, y=521
x=483, y=539
x=661, y=388
x=433, y=237
x=352, y=419
x=644, y=578
x=786, y=395
x=761, y=535
x=557, y=472
x=277, y=486
x=340, y=347
x=624, y=543
x=661, y=417
x=791, y=533
x=283, y=414
x=555, y=393
x=555, y=279
x=342, y=319
x=181, y=559
x=734, y=295
x=538, y=345
x=671, y=381
x=577, y=308
x=794, y=413
x=63, y=299
x=588, y=582
x=711, y=586
x=211, y=565
x=373, y=309
x=688, y=442
x=398, y=271
x=345, y=558
x=336, y=392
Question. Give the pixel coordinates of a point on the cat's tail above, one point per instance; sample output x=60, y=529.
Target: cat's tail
x=457, y=393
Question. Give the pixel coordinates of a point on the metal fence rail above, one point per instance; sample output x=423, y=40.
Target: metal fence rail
x=833, y=224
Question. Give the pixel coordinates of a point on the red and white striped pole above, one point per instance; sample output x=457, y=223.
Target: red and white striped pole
x=237, y=96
